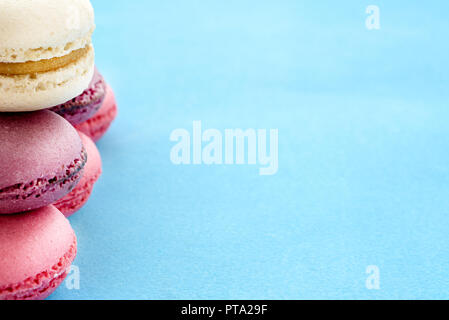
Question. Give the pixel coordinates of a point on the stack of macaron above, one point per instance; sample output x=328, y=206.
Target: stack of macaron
x=54, y=106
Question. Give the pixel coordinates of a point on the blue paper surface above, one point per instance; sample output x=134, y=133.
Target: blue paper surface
x=363, y=174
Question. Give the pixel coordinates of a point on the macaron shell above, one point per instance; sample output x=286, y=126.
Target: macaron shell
x=37, y=148
x=76, y=199
x=97, y=126
x=35, y=144
x=36, y=249
x=32, y=30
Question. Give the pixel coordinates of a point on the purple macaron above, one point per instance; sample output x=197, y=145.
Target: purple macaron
x=84, y=106
x=41, y=160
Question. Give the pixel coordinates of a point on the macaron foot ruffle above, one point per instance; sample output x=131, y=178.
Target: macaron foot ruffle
x=99, y=124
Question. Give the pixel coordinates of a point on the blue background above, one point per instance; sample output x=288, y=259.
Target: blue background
x=363, y=152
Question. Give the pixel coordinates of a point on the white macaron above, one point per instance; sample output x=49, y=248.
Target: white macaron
x=46, y=53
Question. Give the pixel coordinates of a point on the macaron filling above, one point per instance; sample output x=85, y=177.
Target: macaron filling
x=70, y=174
x=46, y=65
x=43, y=283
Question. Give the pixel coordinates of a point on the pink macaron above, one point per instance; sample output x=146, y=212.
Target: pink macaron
x=36, y=251
x=97, y=126
x=41, y=160
x=81, y=193
x=84, y=106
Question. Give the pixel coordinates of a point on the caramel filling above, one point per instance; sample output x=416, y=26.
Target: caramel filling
x=31, y=67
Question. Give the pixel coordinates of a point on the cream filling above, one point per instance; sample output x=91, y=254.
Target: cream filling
x=32, y=67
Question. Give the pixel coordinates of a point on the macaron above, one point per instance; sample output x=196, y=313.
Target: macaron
x=97, y=126
x=76, y=199
x=46, y=53
x=36, y=251
x=41, y=160
x=84, y=106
